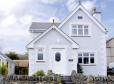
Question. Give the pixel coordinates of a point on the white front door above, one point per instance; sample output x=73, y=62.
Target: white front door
x=59, y=61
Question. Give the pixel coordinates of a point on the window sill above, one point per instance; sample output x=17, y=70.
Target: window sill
x=80, y=36
x=88, y=64
x=40, y=61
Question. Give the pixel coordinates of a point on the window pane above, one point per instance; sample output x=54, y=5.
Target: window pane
x=57, y=57
x=86, y=31
x=74, y=26
x=74, y=31
x=80, y=31
x=80, y=17
x=80, y=26
x=92, y=54
x=79, y=59
x=79, y=54
x=86, y=60
x=86, y=54
x=85, y=26
x=92, y=60
x=40, y=56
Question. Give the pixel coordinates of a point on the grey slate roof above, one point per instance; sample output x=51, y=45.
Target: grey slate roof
x=41, y=26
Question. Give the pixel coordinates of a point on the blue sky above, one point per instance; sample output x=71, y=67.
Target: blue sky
x=17, y=15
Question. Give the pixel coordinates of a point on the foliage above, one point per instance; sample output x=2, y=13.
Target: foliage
x=39, y=73
x=12, y=55
x=3, y=69
x=79, y=69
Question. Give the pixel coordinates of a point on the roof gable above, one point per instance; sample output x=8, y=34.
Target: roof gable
x=74, y=44
x=88, y=14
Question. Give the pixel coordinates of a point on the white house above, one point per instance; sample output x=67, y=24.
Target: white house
x=11, y=65
x=79, y=38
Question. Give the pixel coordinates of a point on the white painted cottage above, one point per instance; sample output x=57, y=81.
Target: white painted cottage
x=79, y=38
x=10, y=64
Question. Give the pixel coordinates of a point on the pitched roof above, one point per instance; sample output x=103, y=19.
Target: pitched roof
x=75, y=45
x=5, y=57
x=41, y=26
x=88, y=14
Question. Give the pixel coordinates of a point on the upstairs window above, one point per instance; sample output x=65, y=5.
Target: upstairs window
x=79, y=30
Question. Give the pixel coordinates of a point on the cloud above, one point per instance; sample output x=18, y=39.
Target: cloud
x=52, y=1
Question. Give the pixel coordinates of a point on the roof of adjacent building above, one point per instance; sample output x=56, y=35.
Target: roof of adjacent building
x=21, y=63
x=41, y=26
x=110, y=43
x=5, y=57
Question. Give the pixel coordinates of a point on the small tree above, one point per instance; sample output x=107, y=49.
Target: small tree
x=3, y=69
x=79, y=69
x=39, y=73
x=12, y=55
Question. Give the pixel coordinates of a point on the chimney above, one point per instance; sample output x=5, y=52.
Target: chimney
x=97, y=15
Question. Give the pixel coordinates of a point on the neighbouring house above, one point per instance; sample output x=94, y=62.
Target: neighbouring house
x=79, y=38
x=110, y=51
x=21, y=65
x=10, y=64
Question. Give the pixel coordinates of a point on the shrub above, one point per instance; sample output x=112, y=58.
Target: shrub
x=3, y=69
x=39, y=73
x=79, y=69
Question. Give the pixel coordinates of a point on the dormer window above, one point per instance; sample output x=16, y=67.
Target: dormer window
x=80, y=30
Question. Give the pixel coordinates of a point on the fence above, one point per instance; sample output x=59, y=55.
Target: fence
x=29, y=80
x=82, y=79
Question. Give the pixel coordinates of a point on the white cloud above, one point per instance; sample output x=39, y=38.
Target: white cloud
x=9, y=20
x=52, y=1
x=71, y=4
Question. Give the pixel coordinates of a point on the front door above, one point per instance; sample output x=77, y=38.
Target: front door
x=59, y=60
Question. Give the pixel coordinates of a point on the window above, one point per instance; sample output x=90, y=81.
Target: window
x=80, y=30
x=86, y=58
x=40, y=55
x=80, y=17
x=58, y=57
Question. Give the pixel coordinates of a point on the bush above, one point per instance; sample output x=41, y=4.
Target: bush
x=39, y=73
x=79, y=69
x=3, y=69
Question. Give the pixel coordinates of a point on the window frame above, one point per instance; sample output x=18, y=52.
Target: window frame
x=83, y=25
x=39, y=52
x=89, y=57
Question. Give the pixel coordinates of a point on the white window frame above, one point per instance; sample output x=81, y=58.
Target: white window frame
x=95, y=55
x=44, y=53
x=89, y=29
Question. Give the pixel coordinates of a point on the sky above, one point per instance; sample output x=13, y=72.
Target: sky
x=16, y=17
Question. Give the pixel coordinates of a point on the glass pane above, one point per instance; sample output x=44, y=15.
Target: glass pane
x=57, y=57
x=80, y=26
x=80, y=31
x=86, y=54
x=74, y=31
x=85, y=26
x=92, y=54
x=86, y=60
x=86, y=31
x=92, y=60
x=40, y=56
x=74, y=26
x=79, y=59
x=79, y=54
